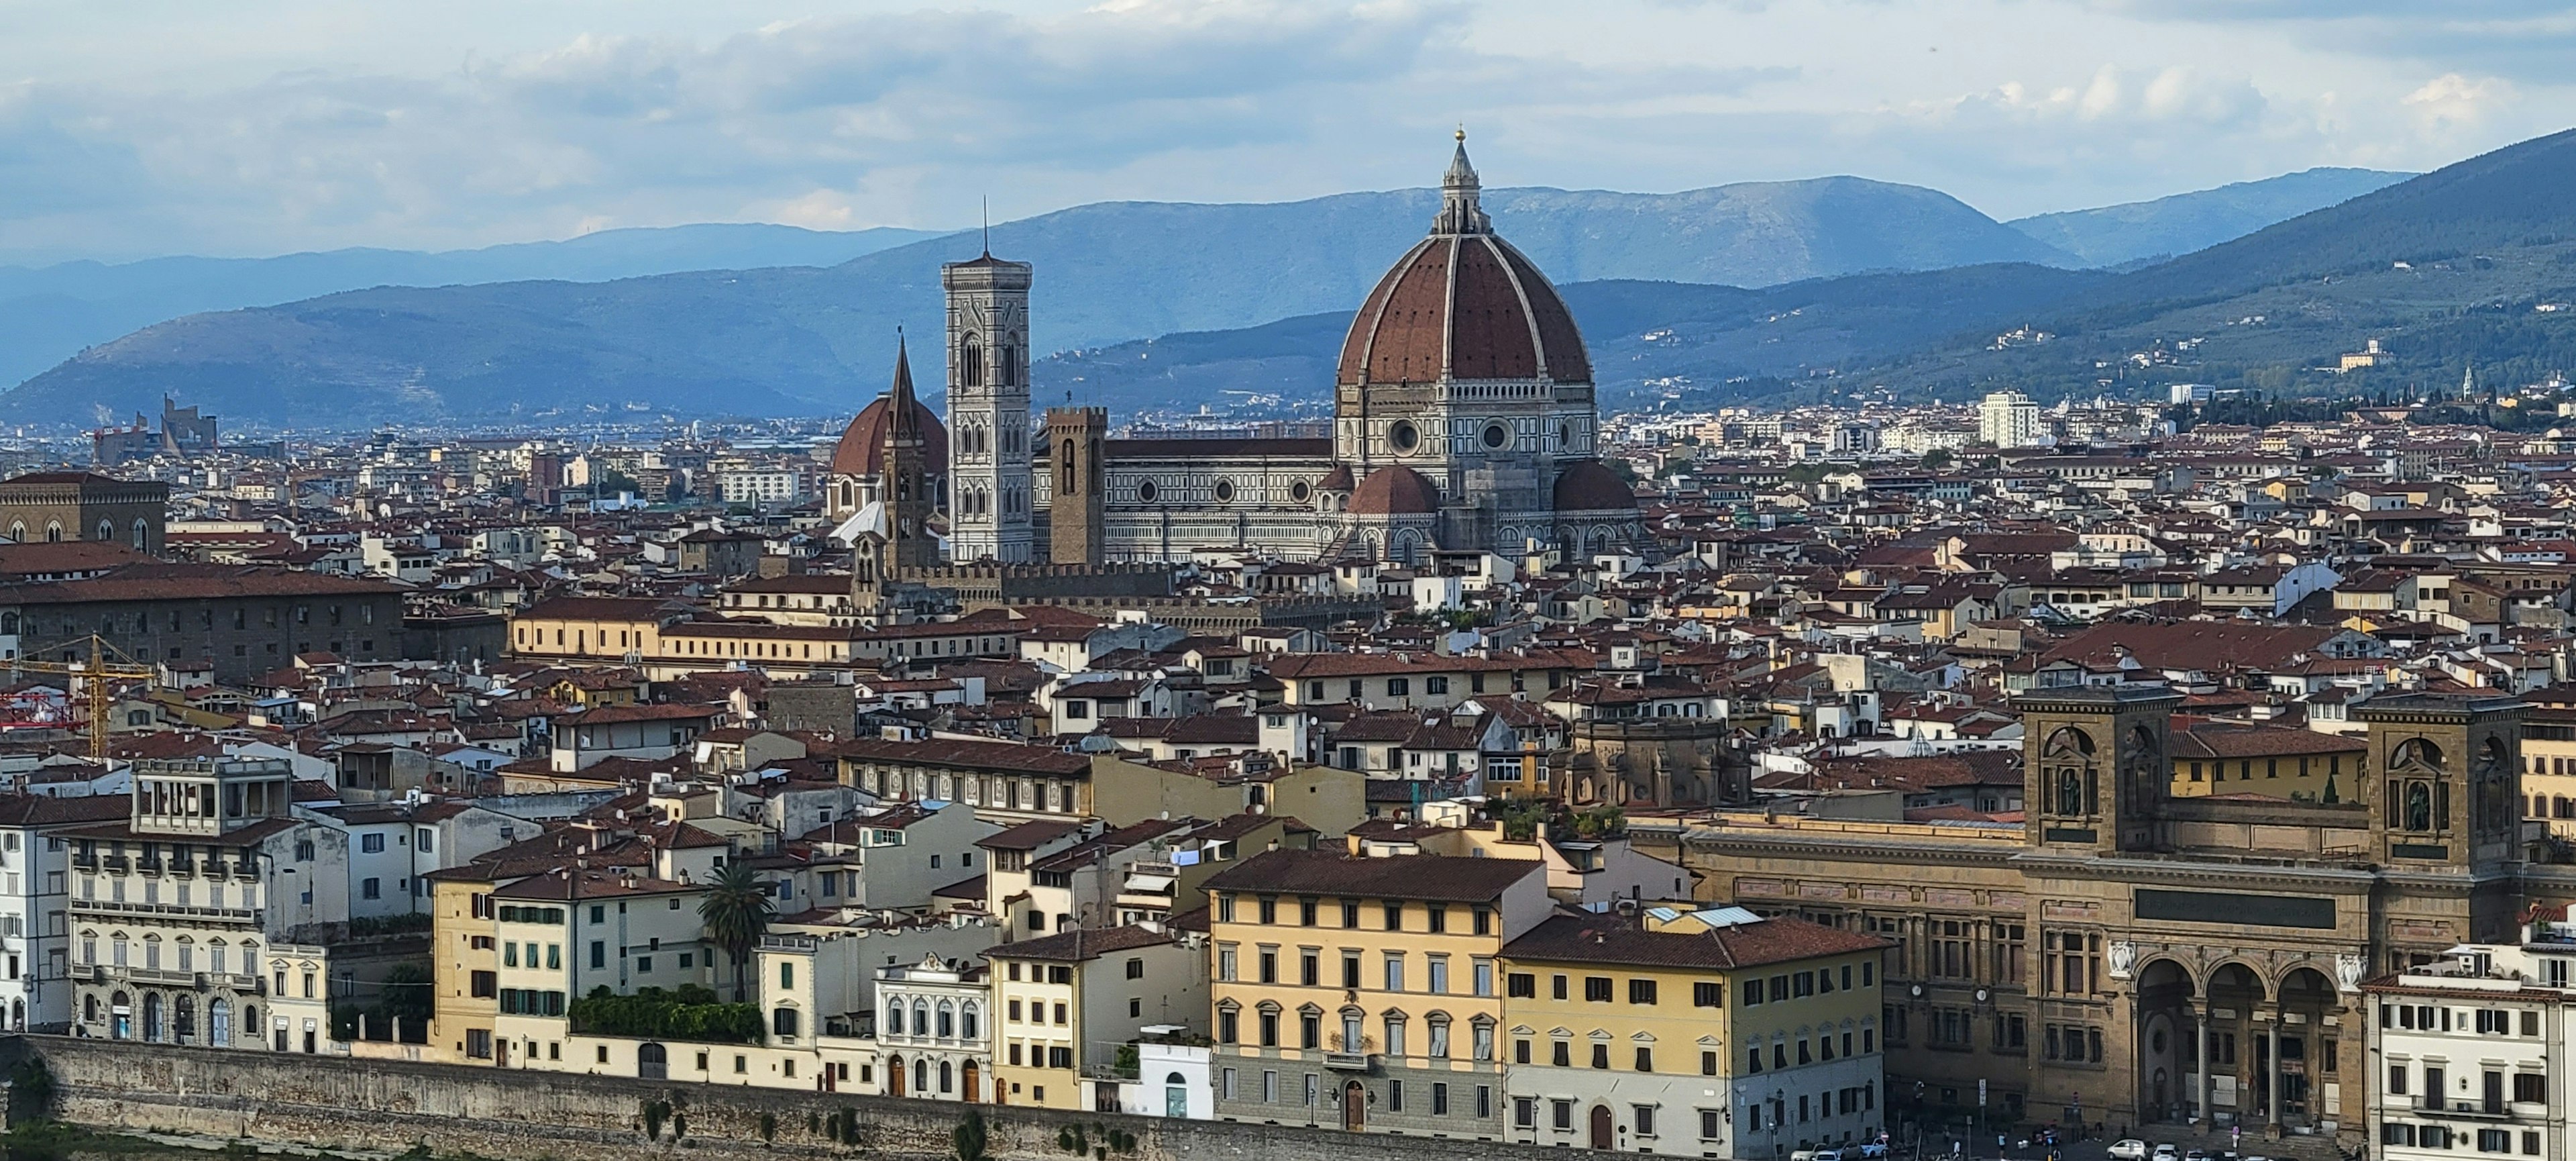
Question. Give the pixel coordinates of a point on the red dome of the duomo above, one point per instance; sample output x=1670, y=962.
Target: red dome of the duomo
x=862, y=449
x=1463, y=304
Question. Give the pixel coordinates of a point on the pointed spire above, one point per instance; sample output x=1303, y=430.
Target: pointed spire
x=903, y=418
x=1459, y=188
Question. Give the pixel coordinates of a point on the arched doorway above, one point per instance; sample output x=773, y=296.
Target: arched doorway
x=968, y=1080
x=1603, y=1134
x=653, y=1062
x=2168, y=1043
x=894, y=1076
x=120, y=1015
x=1354, y=1107
x=2306, y=998
x=152, y=1017
x=2235, y=995
x=219, y=1023
x=1176, y=1096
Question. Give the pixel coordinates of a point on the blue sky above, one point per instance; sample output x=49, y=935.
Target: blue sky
x=138, y=128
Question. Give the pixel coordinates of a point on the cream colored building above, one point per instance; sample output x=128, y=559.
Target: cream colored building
x=1692, y=1029
x=1363, y=993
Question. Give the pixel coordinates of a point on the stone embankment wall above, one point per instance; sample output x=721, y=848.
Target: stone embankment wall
x=528, y=1116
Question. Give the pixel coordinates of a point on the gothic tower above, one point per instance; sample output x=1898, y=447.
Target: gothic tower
x=2096, y=773
x=1077, y=507
x=989, y=509
x=910, y=545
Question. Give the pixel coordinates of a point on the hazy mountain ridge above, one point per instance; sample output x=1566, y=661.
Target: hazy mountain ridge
x=1909, y=287
x=1106, y=273
x=47, y=313
x=2169, y=226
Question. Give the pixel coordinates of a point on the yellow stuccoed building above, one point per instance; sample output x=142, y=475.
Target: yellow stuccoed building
x=1694, y=1030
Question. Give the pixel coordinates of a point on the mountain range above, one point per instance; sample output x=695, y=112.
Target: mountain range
x=800, y=322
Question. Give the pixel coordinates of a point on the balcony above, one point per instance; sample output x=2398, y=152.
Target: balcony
x=148, y=866
x=1347, y=1061
x=186, y=910
x=163, y=976
x=115, y=864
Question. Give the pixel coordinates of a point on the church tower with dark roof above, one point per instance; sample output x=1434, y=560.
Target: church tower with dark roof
x=910, y=545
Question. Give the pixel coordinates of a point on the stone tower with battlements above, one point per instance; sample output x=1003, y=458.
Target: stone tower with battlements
x=990, y=505
x=1077, y=508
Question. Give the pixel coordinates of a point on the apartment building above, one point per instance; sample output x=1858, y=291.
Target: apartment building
x=1071, y=1001
x=2469, y=1051
x=35, y=903
x=935, y=1034
x=568, y=931
x=1692, y=1029
x=186, y=915
x=1361, y=992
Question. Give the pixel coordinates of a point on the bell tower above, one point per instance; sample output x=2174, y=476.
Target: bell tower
x=911, y=547
x=989, y=503
x=2095, y=766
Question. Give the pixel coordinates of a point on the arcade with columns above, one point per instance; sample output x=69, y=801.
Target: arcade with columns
x=2128, y=957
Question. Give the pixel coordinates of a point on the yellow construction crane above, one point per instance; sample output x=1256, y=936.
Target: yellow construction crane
x=97, y=670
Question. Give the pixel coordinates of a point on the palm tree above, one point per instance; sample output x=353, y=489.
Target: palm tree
x=737, y=909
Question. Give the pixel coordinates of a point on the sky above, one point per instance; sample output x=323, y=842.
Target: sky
x=131, y=128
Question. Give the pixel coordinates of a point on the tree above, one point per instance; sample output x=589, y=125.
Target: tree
x=737, y=909
x=408, y=994
x=1936, y=460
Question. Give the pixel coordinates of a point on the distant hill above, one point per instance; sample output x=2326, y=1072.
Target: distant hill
x=787, y=340
x=2449, y=270
x=1859, y=285
x=48, y=313
x=2168, y=226
x=1647, y=339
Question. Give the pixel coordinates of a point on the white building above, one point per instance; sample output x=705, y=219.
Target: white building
x=2469, y=1052
x=392, y=845
x=172, y=905
x=2008, y=419
x=761, y=486
x=35, y=894
x=934, y=1030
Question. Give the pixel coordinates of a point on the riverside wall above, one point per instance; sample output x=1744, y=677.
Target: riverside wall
x=541, y=1116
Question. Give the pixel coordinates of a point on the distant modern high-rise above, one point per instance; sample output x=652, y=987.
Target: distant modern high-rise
x=2008, y=419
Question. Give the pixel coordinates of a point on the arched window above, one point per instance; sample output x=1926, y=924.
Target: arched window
x=141, y=533
x=921, y=1017
x=947, y=1020
x=1064, y=470
x=970, y=362
x=107, y=531
x=18, y=531
x=53, y=531
x=894, y=1018
x=968, y=1027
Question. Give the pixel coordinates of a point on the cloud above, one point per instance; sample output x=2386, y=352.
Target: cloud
x=910, y=118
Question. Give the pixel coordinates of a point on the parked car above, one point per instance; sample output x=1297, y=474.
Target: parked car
x=2132, y=1149
x=2167, y=1153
